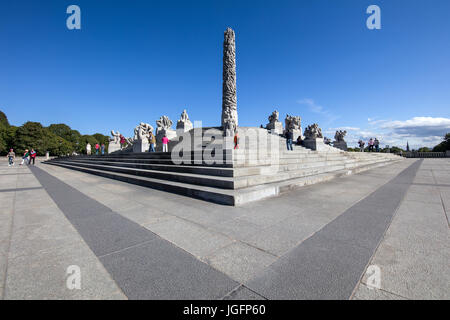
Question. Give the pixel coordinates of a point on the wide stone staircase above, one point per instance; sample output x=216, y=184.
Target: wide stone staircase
x=261, y=167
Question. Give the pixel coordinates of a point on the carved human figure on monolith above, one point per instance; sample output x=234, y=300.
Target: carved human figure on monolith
x=229, y=99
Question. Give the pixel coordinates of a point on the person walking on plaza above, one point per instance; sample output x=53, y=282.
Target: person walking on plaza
x=11, y=156
x=25, y=157
x=361, y=145
x=289, y=138
x=377, y=145
x=32, y=156
x=370, y=144
x=103, y=149
x=97, y=146
x=152, y=141
x=165, y=143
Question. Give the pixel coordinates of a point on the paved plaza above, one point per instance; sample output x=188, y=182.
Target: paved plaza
x=315, y=242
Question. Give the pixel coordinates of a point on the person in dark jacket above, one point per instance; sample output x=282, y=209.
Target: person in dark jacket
x=289, y=138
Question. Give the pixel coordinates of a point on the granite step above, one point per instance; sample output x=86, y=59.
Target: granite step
x=169, y=167
x=188, y=178
x=217, y=195
x=223, y=196
x=151, y=161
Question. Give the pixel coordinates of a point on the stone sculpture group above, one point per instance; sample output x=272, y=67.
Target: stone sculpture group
x=275, y=126
x=184, y=124
x=313, y=132
x=339, y=140
x=141, y=135
x=313, y=137
x=293, y=124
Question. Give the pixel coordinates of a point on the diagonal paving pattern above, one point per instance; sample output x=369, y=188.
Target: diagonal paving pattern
x=414, y=256
x=142, y=264
x=238, y=241
x=180, y=247
x=328, y=265
x=38, y=244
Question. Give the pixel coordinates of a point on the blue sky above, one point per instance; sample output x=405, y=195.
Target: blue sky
x=134, y=61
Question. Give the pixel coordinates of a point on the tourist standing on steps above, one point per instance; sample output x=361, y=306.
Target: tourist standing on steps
x=122, y=142
x=103, y=148
x=361, y=145
x=165, y=143
x=377, y=145
x=152, y=141
x=289, y=138
x=88, y=149
x=32, y=156
x=11, y=156
x=25, y=157
x=236, y=141
x=97, y=146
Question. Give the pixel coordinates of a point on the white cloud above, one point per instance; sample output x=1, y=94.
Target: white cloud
x=345, y=128
x=420, y=127
x=418, y=131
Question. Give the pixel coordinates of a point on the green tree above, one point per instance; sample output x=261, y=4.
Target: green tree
x=4, y=120
x=4, y=125
x=444, y=145
x=58, y=139
x=73, y=136
x=32, y=135
x=64, y=131
x=395, y=149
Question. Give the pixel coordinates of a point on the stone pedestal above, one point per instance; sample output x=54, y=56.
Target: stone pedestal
x=275, y=127
x=183, y=127
x=141, y=146
x=296, y=134
x=171, y=134
x=315, y=144
x=340, y=145
x=113, y=147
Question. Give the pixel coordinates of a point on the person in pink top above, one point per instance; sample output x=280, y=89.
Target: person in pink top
x=370, y=145
x=165, y=143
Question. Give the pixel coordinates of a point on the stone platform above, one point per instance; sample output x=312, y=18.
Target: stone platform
x=261, y=167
